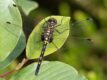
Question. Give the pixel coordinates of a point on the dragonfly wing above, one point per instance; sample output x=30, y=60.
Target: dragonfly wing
x=82, y=33
x=84, y=28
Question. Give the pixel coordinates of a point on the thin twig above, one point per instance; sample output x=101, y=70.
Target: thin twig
x=18, y=67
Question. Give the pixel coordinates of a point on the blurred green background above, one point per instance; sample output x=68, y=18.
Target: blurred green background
x=89, y=57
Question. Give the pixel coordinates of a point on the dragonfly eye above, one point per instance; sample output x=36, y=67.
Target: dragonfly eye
x=52, y=21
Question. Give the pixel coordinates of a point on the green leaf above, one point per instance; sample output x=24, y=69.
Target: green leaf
x=10, y=27
x=27, y=5
x=49, y=71
x=16, y=52
x=34, y=44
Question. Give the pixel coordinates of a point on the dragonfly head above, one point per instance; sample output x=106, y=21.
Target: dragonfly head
x=52, y=21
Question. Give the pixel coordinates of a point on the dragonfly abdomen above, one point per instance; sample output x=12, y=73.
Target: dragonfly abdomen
x=41, y=57
x=47, y=35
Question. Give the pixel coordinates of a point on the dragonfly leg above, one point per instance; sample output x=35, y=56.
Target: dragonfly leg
x=60, y=23
x=45, y=22
x=55, y=45
x=60, y=32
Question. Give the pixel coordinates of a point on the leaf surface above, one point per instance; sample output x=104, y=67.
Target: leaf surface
x=49, y=71
x=10, y=27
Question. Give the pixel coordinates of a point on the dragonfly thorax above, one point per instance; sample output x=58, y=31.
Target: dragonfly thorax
x=47, y=35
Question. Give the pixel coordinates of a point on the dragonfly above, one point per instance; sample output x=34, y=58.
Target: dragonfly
x=47, y=36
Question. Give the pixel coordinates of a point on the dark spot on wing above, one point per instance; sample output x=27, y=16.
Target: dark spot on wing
x=90, y=19
x=90, y=40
